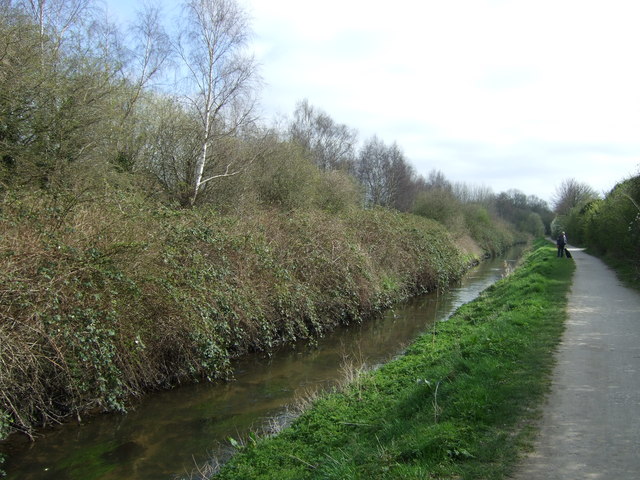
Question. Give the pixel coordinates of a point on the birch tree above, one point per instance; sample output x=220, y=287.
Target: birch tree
x=221, y=80
x=56, y=19
x=144, y=58
x=150, y=51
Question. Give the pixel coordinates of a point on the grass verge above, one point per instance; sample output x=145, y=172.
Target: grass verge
x=458, y=404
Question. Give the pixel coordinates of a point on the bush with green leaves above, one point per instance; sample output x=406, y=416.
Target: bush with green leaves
x=104, y=300
x=612, y=226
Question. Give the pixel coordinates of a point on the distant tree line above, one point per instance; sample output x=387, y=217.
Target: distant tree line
x=86, y=104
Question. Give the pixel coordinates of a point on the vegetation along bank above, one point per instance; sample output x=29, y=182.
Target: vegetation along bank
x=457, y=404
x=115, y=299
x=148, y=237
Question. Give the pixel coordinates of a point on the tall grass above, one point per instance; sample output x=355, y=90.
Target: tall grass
x=456, y=405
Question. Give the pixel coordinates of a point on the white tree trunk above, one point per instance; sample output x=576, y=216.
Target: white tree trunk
x=202, y=160
x=222, y=76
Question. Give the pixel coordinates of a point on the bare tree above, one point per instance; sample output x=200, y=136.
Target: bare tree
x=387, y=177
x=150, y=50
x=142, y=58
x=55, y=18
x=401, y=179
x=371, y=169
x=221, y=78
x=466, y=193
x=331, y=144
x=570, y=194
x=438, y=181
x=170, y=143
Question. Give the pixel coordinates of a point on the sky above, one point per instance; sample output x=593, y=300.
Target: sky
x=506, y=94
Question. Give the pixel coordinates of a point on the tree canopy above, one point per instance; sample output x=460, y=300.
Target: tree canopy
x=85, y=102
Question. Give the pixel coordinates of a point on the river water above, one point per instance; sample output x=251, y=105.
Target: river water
x=168, y=434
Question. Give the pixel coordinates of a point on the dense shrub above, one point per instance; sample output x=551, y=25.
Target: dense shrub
x=103, y=300
x=533, y=224
x=438, y=204
x=491, y=233
x=612, y=226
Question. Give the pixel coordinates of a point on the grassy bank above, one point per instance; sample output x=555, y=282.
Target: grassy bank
x=101, y=301
x=456, y=405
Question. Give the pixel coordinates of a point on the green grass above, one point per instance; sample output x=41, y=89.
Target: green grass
x=459, y=404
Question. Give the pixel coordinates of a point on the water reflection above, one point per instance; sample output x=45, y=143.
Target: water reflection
x=169, y=433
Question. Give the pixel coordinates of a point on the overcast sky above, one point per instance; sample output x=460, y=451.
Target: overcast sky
x=502, y=93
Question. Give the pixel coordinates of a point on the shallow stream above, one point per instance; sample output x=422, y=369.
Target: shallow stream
x=168, y=434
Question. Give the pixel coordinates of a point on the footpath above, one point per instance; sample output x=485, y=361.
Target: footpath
x=590, y=428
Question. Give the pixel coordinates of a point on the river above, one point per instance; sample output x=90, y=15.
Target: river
x=168, y=434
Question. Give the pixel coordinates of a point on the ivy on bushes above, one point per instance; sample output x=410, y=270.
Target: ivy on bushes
x=117, y=298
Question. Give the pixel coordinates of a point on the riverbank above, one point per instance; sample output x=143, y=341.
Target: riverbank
x=104, y=301
x=458, y=404
x=165, y=434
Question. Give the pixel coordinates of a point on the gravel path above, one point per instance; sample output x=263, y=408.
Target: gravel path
x=591, y=424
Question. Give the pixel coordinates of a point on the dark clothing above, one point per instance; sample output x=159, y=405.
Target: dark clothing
x=561, y=243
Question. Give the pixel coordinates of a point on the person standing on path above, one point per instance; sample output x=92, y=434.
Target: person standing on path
x=590, y=427
x=561, y=244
